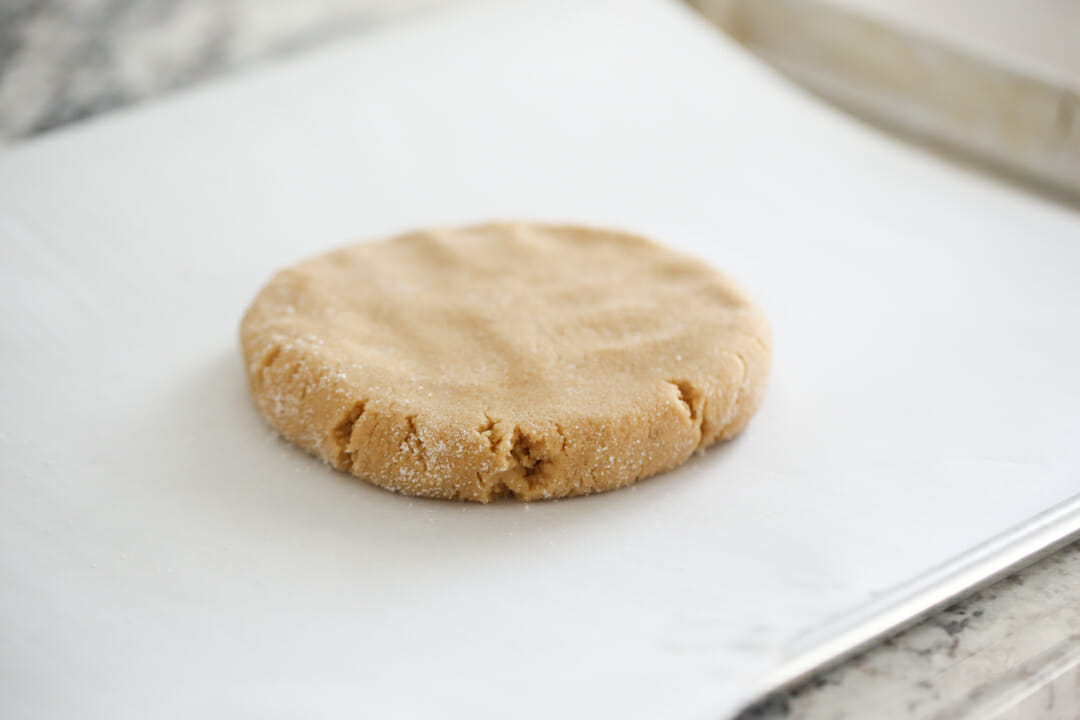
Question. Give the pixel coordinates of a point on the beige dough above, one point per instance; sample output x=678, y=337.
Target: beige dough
x=526, y=360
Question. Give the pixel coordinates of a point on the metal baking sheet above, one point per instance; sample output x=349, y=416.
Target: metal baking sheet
x=163, y=553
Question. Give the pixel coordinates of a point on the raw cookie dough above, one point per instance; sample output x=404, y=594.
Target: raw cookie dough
x=524, y=360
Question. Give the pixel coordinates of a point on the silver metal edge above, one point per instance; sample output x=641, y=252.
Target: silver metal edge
x=1023, y=124
x=844, y=636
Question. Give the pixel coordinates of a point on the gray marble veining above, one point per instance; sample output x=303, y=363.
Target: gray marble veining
x=1009, y=651
x=65, y=60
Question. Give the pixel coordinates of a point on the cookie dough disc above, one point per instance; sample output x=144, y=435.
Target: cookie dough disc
x=534, y=361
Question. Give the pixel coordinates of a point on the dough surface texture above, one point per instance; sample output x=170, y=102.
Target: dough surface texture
x=524, y=360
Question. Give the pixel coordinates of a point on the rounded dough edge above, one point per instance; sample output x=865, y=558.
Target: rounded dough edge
x=308, y=397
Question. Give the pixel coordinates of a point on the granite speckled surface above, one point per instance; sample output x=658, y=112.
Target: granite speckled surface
x=1011, y=651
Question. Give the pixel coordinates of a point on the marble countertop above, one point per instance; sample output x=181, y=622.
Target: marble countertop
x=65, y=60
x=1010, y=651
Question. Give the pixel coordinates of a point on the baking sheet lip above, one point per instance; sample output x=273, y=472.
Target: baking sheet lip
x=912, y=602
